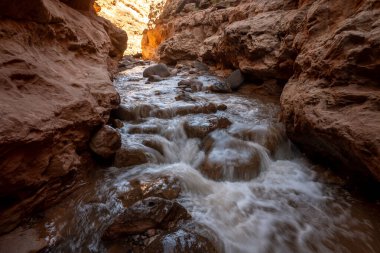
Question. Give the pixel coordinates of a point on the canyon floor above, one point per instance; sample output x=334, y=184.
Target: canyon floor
x=200, y=171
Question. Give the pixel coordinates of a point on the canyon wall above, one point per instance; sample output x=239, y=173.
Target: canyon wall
x=326, y=54
x=57, y=59
x=132, y=16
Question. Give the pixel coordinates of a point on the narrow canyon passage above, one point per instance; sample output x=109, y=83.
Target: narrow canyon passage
x=227, y=160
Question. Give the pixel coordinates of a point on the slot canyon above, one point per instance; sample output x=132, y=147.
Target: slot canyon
x=194, y=126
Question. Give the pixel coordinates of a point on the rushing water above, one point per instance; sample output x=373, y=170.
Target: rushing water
x=286, y=205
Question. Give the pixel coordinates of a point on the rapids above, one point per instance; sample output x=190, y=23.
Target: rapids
x=264, y=196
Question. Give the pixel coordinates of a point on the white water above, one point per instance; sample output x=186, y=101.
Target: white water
x=283, y=209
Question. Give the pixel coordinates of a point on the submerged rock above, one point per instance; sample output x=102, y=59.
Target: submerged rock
x=160, y=70
x=181, y=240
x=230, y=159
x=150, y=213
x=193, y=84
x=198, y=126
x=106, y=142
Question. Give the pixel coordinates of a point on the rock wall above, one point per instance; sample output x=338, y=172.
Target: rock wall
x=57, y=59
x=327, y=53
x=132, y=16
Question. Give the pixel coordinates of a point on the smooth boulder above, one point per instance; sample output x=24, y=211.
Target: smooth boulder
x=106, y=142
x=235, y=80
x=158, y=70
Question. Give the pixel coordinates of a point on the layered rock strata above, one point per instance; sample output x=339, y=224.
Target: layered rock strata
x=57, y=59
x=131, y=16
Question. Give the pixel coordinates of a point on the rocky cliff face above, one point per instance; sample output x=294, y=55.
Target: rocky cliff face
x=327, y=53
x=56, y=60
x=132, y=16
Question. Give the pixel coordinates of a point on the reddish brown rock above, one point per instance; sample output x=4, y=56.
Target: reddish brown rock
x=229, y=158
x=331, y=104
x=181, y=240
x=149, y=213
x=198, y=126
x=55, y=89
x=106, y=142
x=325, y=53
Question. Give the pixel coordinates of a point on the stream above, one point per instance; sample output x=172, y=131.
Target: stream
x=246, y=187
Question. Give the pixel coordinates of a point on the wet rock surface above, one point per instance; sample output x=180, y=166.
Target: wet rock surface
x=201, y=125
x=105, y=142
x=149, y=213
x=323, y=53
x=206, y=192
x=160, y=70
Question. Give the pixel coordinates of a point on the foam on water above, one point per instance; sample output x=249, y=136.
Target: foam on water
x=283, y=209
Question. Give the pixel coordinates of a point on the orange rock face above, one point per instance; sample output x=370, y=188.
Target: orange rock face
x=56, y=61
x=133, y=16
x=327, y=53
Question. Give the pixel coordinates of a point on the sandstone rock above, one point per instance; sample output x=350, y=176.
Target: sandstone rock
x=158, y=69
x=182, y=110
x=235, y=80
x=149, y=213
x=155, y=78
x=324, y=52
x=194, y=84
x=129, y=156
x=133, y=112
x=181, y=240
x=23, y=241
x=106, y=142
x=221, y=107
x=163, y=187
x=230, y=159
x=221, y=87
x=330, y=105
x=198, y=126
x=133, y=16
x=184, y=96
x=52, y=99
x=116, y=123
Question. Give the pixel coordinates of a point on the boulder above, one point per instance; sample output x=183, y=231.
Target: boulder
x=129, y=156
x=149, y=213
x=235, y=80
x=155, y=78
x=106, y=142
x=198, y=126
x=181, y=240
x=133, y=112
x=228, y=158
x=160, y=70
x=221, y=87
x=193, y=84
x=150, y=186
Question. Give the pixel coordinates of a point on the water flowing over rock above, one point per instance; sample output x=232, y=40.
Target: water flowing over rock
x=57, y=60
x=325, y=53
x=150, y=213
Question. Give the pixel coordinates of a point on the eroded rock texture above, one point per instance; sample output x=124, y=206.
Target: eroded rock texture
x=326, y=52
x=133, y=16
x=56, y=60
